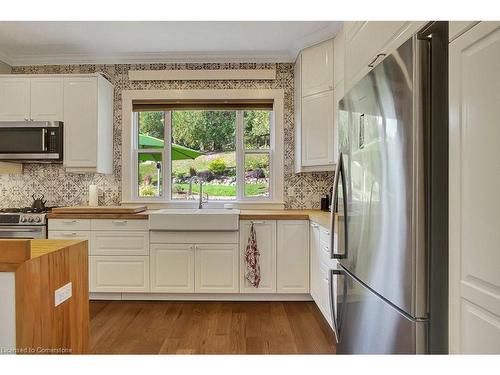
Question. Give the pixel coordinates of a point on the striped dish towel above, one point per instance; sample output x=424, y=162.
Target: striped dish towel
x=252, y=255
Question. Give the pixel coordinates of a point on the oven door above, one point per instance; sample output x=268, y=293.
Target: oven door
x=27, y=232
x=31, y=141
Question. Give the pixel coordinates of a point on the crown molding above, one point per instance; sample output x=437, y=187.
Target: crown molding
x=150, y=58
x=319, y=36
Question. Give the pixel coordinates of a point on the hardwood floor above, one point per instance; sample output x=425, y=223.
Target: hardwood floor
x=165, y=327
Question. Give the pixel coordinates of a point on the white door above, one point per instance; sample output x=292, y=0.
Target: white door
x=317, y=129
x=80, y=122
x=172, y=268
x=119, y=273
x=317, y=68
x=266, y=244
x=314, y=262
x=14, y=99
x=293, y=256
x=474, y=186
x=47, y=99
x=216, y=268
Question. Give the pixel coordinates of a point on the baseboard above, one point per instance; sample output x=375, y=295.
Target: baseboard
x=199, y=297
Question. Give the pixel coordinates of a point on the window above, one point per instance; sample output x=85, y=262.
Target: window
x=226, y=147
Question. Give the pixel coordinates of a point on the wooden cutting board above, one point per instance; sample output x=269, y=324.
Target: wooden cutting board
x=99, y=210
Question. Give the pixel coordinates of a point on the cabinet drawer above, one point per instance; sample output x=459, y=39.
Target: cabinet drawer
x=69, y=235
x=163, y=237
x=69, y=224
x=119, y=224
x=119, y=243
x=119, y=273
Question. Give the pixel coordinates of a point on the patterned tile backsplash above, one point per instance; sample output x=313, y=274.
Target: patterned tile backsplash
x=60, y=188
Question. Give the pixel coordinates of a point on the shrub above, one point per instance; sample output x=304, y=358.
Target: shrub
x=217, y=166
x=192, y=171
x=147, y=191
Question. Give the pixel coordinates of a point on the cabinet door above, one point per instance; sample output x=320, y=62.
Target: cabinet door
x=69, y=235
x=317, y=129
x=47, y=99
x=80, y=122
x=317, y=68
x=14, y=99
x=172, y=268
x=314, y=262
x=474, y=185
x=293, y=256
x=338, y=58
x=266, y=244
x=119, y=273
x=216, y=268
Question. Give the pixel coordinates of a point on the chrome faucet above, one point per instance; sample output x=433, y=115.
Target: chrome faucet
x=190, y=191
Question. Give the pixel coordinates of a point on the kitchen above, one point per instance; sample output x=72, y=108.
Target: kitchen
x=288, y=196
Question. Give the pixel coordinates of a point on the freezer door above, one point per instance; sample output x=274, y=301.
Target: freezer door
x=367, y=324
x=381, y=143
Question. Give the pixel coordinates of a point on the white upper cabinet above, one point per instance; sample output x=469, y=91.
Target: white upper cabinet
x=88, y=124
x=338, y=58
x=314, y=122
x=317, y=68
x=317, y=129
x=31, y=99
x=14, y=99
x=474, y=79
x=368, y=42
x=47, y=99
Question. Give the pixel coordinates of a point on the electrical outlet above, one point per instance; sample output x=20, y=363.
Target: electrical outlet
x=63, y=293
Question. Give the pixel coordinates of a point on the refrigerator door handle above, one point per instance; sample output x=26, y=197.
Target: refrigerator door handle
x=333, y=305
x=339, y=172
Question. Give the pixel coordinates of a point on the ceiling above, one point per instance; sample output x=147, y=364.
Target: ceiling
x=27, y=43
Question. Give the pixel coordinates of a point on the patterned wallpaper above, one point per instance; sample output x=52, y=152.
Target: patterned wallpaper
x=60, y=188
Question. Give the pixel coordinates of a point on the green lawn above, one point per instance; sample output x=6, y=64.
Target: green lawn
x=225, y=190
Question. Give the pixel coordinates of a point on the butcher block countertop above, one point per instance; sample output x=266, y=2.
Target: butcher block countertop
x=320, y=217
x=15, y=252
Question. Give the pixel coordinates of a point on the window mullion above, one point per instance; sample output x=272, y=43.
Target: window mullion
x=240, y=157
x=167, y=168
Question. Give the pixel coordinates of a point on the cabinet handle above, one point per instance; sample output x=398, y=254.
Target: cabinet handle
x=191, y=247
x=119, y=221
x=257, y=221
x=314, y=225
x=372, y=63
x=69, y=234
x=196, y=247
x=69, y=221
x=26, y=119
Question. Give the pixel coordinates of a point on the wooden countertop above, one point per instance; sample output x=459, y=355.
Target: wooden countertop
x=138, y=216
x=320, y=217
x=14, y=252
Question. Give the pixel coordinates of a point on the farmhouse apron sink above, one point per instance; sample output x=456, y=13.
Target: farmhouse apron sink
x=205, y=219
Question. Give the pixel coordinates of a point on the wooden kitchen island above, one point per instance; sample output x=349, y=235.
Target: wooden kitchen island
x=44, y=297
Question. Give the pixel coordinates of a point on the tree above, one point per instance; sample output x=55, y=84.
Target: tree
x=152, y=124
x=257, y=129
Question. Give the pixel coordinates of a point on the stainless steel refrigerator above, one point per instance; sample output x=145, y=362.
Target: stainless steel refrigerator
x=389, y=289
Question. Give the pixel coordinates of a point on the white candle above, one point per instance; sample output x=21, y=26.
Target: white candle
x=93, y=199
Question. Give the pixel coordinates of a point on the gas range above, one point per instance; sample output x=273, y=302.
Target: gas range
x=23, y=223
x=22, y=216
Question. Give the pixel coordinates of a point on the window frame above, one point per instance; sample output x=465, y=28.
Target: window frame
x=130, y=149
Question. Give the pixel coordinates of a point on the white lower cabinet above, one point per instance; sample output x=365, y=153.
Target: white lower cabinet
x=172, y=268
x=119, y=243
x=265, y=232
x=321, y=264
x=314, y=262
x=110, y=273
x=293, y=256
x=216, y=268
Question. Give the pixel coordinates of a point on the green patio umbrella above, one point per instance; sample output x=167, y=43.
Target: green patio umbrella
x=178, y=152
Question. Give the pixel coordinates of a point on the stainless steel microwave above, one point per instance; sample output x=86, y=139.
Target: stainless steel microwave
x=31, y=141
